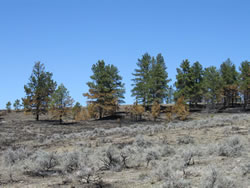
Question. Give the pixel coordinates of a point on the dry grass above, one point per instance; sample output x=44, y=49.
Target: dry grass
x=208, y=151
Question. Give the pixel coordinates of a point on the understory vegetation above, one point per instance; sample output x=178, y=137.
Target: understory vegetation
x=208, y=151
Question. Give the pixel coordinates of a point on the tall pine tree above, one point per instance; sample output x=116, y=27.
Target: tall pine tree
x=245, y=81
x=106, y=90
x=158, y=80
x=141, y=90
x=197, y=77
x=61, y=102
x=184, y=81
x=230, y=82
x=211, y=85
x=39, y=90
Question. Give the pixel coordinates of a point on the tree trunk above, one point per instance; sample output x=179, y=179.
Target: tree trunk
x=60, y=119
x=37, y=117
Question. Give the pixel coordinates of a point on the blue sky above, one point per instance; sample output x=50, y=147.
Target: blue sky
x=69, y=36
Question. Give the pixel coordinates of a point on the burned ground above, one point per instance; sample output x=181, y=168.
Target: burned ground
x=208, y=150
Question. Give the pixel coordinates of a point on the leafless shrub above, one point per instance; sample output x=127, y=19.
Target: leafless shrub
x=176, y=183
x=246, y=169
x=88, y=175
x=188, y=157
x=111, y=160
x=124, y=158
x=141, y=142
x=47, y=160
x=163, y=172
x=216, y=180
x=42, y=163
x=209, y=181
x=143, y=176
x=152, y=155
x=167, y=151
x=230, y=148
x=71, y=161
x=12, y=156
x=185, y=140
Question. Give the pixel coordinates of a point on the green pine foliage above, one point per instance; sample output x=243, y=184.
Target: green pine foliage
x=141, y=86
x=8, y=106
x=106, y=90
x=212, y=85
x=150, y=80
x=197, y=78
x=184, y=81
x=158, y=80
x=244, y=79
x=230, y=82
x=38, y=90
x=17, y=105
x=61, y=102
x=76, y=109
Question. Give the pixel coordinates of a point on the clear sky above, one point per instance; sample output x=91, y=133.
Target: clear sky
x=69, y=36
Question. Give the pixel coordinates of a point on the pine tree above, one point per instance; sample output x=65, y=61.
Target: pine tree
x=230, y=82
x=106, y=91
x=76, y=109
x=197, y=77
x=17, y=104
x=8, y=106
x=158, y=80
x=245, y=81
x=61, y=102
x=184, y=81
x=38, y=90
x=212, y=85
x=141, y=86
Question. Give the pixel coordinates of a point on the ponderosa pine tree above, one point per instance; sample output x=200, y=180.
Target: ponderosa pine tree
x=151, y=80
x=197, y=77
x=212, y=85
x=106, y=91
x=141, y=89
x=8, y=106
x=184, y=81
x=76, y=109
x=38, y=90
x=230, y=82
x=17, y=104
x=61, y=102
x=158, y=80
x=245, y=81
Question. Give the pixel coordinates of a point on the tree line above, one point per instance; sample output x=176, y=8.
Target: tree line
x=194, y=85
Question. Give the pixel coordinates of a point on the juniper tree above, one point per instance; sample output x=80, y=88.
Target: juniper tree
x=141, y=85
x=106, y=90
x=17, y=104
x=158, y=80
x=8, y=106
x=61, y=102
x=184, y=81
x=212, y=85
x=230, y=82
x=38, y=90
x=245, y=81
